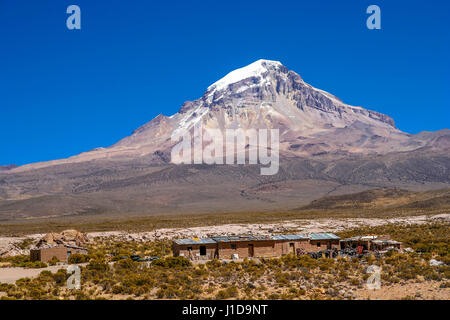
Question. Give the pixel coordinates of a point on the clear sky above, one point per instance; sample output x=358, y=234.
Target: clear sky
x=64, y=91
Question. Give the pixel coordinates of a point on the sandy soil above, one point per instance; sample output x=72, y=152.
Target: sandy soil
x=426, y=290
x=11, y=275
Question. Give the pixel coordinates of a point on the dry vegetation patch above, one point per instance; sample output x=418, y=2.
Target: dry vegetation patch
x=111, y=274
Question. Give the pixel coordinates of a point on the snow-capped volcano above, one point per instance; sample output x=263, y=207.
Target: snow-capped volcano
x=257, y=69
x=266, y=95
x=326, y=147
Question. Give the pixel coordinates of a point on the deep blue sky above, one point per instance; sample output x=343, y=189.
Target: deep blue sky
x=63, y=92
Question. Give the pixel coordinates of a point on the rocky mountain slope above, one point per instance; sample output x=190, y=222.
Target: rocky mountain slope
x=326, y=148
x=384, y=198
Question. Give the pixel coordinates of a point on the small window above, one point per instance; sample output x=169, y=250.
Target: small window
x=202, y=250
x=233, y=246
x=318, y=244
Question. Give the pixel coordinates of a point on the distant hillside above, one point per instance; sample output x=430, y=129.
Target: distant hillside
x=8, y=167
x=387, y=198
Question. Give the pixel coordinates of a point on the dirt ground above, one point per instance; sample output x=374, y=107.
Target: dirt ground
x=11, y=275
x=426, y=290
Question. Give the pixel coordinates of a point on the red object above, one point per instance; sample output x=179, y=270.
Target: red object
x=359, y=249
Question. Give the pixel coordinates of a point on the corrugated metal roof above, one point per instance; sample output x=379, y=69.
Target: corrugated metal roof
x=323, y=236
x=240, y=238
x=386, y=241
x=372, y=238
x=49, y=246
x=289, y=237
x=194, y=241
x=357, y=238
x=74, y=247
x=221, y=239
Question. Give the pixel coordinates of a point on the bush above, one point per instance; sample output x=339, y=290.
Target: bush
x=126, y=264
x=221, y=295
x=53, y=261
x=97, y=265
x=173, y=262
x=77, y=258
x=60, y=277
x=34, y=265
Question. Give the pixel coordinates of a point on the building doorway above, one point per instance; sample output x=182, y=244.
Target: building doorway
x=291, y=248
x=203, y=250
x=251, y=250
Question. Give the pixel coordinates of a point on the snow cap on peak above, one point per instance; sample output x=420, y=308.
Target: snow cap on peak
x=265, y=61
x=255, y=69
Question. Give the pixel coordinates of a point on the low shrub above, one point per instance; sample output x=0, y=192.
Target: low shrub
x=76, y=258
x=173, y=262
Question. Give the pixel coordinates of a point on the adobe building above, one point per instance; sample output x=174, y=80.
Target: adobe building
x=228, y=247
x=195, y=249
x=258, y=246
x=60, y=252
x=323, y=241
